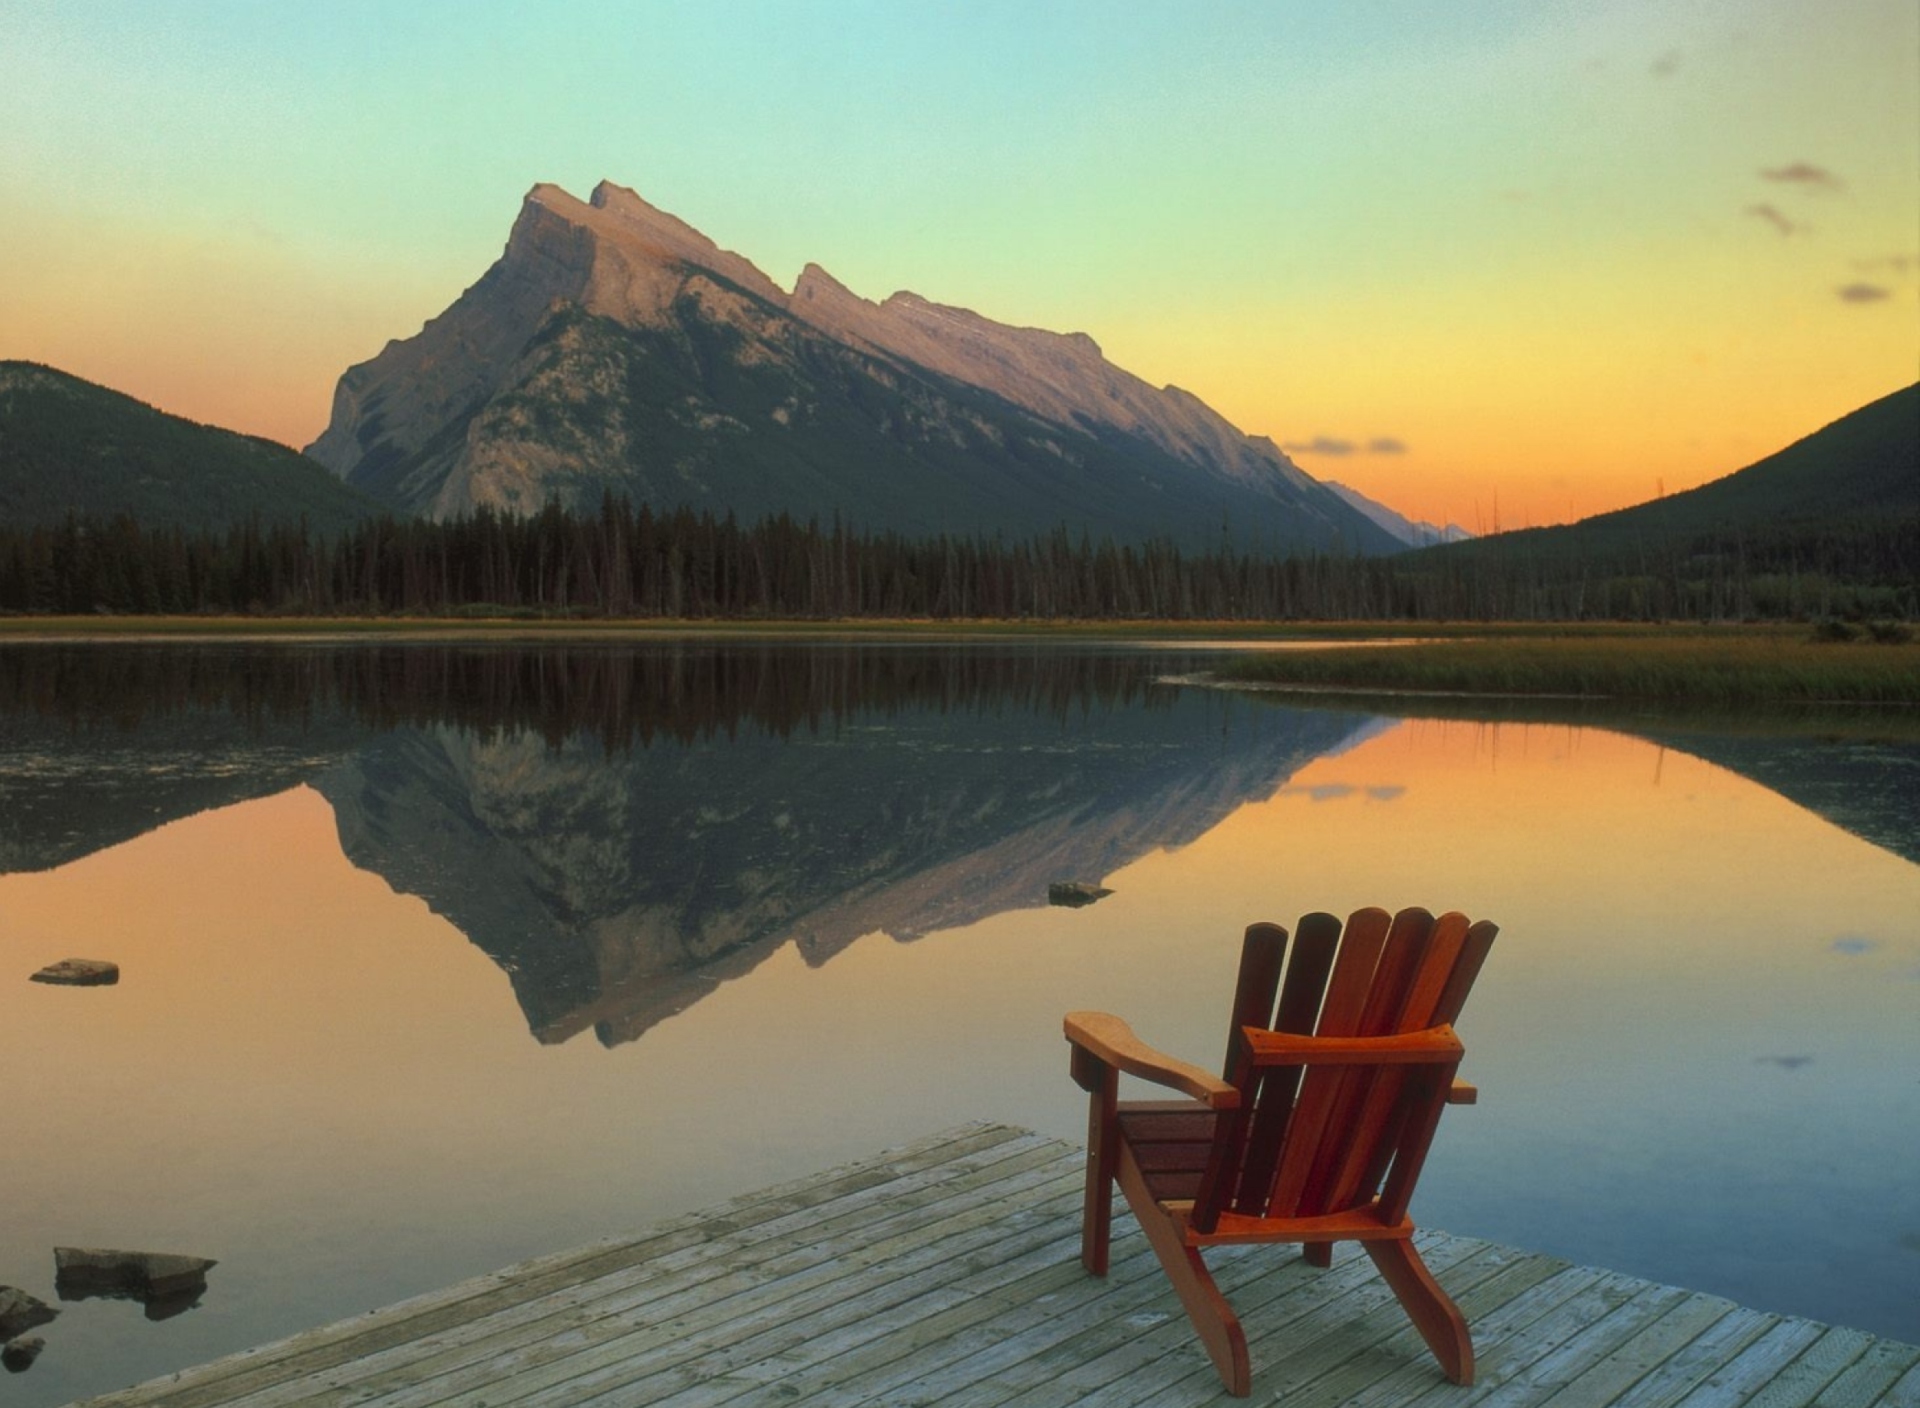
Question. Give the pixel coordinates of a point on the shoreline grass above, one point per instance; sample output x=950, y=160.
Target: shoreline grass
x=1714, y=665
x=24, y=627
x=1736, y=668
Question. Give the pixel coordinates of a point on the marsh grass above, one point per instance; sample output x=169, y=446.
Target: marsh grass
x=1713, y=666
x=1724, y=668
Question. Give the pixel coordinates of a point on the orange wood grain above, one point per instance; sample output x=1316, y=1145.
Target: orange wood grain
x=1320, y=1129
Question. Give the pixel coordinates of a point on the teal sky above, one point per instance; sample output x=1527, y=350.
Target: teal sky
x=1560, y=253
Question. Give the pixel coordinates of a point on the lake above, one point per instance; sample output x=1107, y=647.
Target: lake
x=435, y=957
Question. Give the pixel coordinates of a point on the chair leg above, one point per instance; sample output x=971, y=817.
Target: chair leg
x=1432, y=1311
x=1096, y=1213
x=1318, y=1254
x=1213, y=1319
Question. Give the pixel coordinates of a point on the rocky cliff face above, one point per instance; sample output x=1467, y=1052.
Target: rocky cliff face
x=614, y=347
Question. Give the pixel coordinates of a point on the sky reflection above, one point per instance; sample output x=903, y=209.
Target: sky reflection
x=1699, y=1021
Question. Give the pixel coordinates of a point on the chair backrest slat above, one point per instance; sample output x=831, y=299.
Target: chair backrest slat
x=1264, y=1115
x=1262, y=952
x=1407, y=1148
x=1382, y=1111
x=1355, y=1118
x=1360, y=945
x=1314, y=1139
x=1347, y=993
x=1400, y=965
x=1473, y=954
x=1316, y=940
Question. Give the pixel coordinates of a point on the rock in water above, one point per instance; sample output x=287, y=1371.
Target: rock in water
x=80, y=973
x=20, y=1312
x=1074, y=893
x=18, y=1356
x=81, y=1272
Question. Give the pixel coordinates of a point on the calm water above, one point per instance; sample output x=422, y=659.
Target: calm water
x=436, y=958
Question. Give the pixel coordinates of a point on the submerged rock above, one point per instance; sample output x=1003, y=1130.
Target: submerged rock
x=18, y=1355
x=79, y=973
x=162, y=1281
x=20, y=1312
x=1074, y=893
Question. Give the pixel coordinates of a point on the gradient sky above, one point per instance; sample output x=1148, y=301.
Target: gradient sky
x=1531, y=260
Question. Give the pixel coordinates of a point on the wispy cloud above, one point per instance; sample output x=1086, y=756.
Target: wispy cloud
x=1320, y=445
x=1335, y=445
x=1666, y=65
x=1895, y=263
x=1802, y=173
x=1776, y=218
x=1863, y=293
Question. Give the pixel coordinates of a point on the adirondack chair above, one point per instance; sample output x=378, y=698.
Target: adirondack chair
x=1318, y=1130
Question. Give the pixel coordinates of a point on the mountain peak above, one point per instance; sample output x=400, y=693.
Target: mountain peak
x=816, y=283
x=638, y=215
x=439, y=420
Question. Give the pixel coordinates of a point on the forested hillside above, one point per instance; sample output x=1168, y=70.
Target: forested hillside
x=627, y=562
x=68, y=446
x=1831, y=524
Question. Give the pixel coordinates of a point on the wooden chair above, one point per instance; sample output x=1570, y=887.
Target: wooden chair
x=1319, y=1129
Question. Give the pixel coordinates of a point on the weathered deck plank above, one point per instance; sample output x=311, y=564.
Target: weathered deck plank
x=947, y=1274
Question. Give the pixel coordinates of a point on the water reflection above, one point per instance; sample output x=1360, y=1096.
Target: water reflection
x=344, y=884
x=622, y=829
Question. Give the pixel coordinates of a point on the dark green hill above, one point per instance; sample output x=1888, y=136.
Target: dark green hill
x=68, y=446
x=1829, y=525
x=1866, y=463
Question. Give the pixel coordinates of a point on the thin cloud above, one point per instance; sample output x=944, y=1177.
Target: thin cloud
x=1666, y=64
x=1321, y=791
x=1863, y=293
x=1802, y=173
x=1320, y=445
x=1335, y=445
x=1776, y=218
x=1895, y=263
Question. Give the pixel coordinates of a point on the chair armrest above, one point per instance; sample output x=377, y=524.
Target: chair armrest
x=1111, y=1040
x=1422, y=1048
x=1463, y=1094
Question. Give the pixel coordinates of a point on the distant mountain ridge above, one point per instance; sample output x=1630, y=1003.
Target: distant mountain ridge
x=613, y=347
x=1415, y=534
x=69, y=446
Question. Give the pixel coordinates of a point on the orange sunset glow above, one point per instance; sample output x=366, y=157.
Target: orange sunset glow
x=1492, y=266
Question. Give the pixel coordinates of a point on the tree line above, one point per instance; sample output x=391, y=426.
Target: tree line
x=626, y=561
x=622, y=694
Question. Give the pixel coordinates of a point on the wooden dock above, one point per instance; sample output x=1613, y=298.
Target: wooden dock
x=948, y=1273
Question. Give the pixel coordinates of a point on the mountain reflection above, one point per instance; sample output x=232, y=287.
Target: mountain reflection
x=622, y=828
